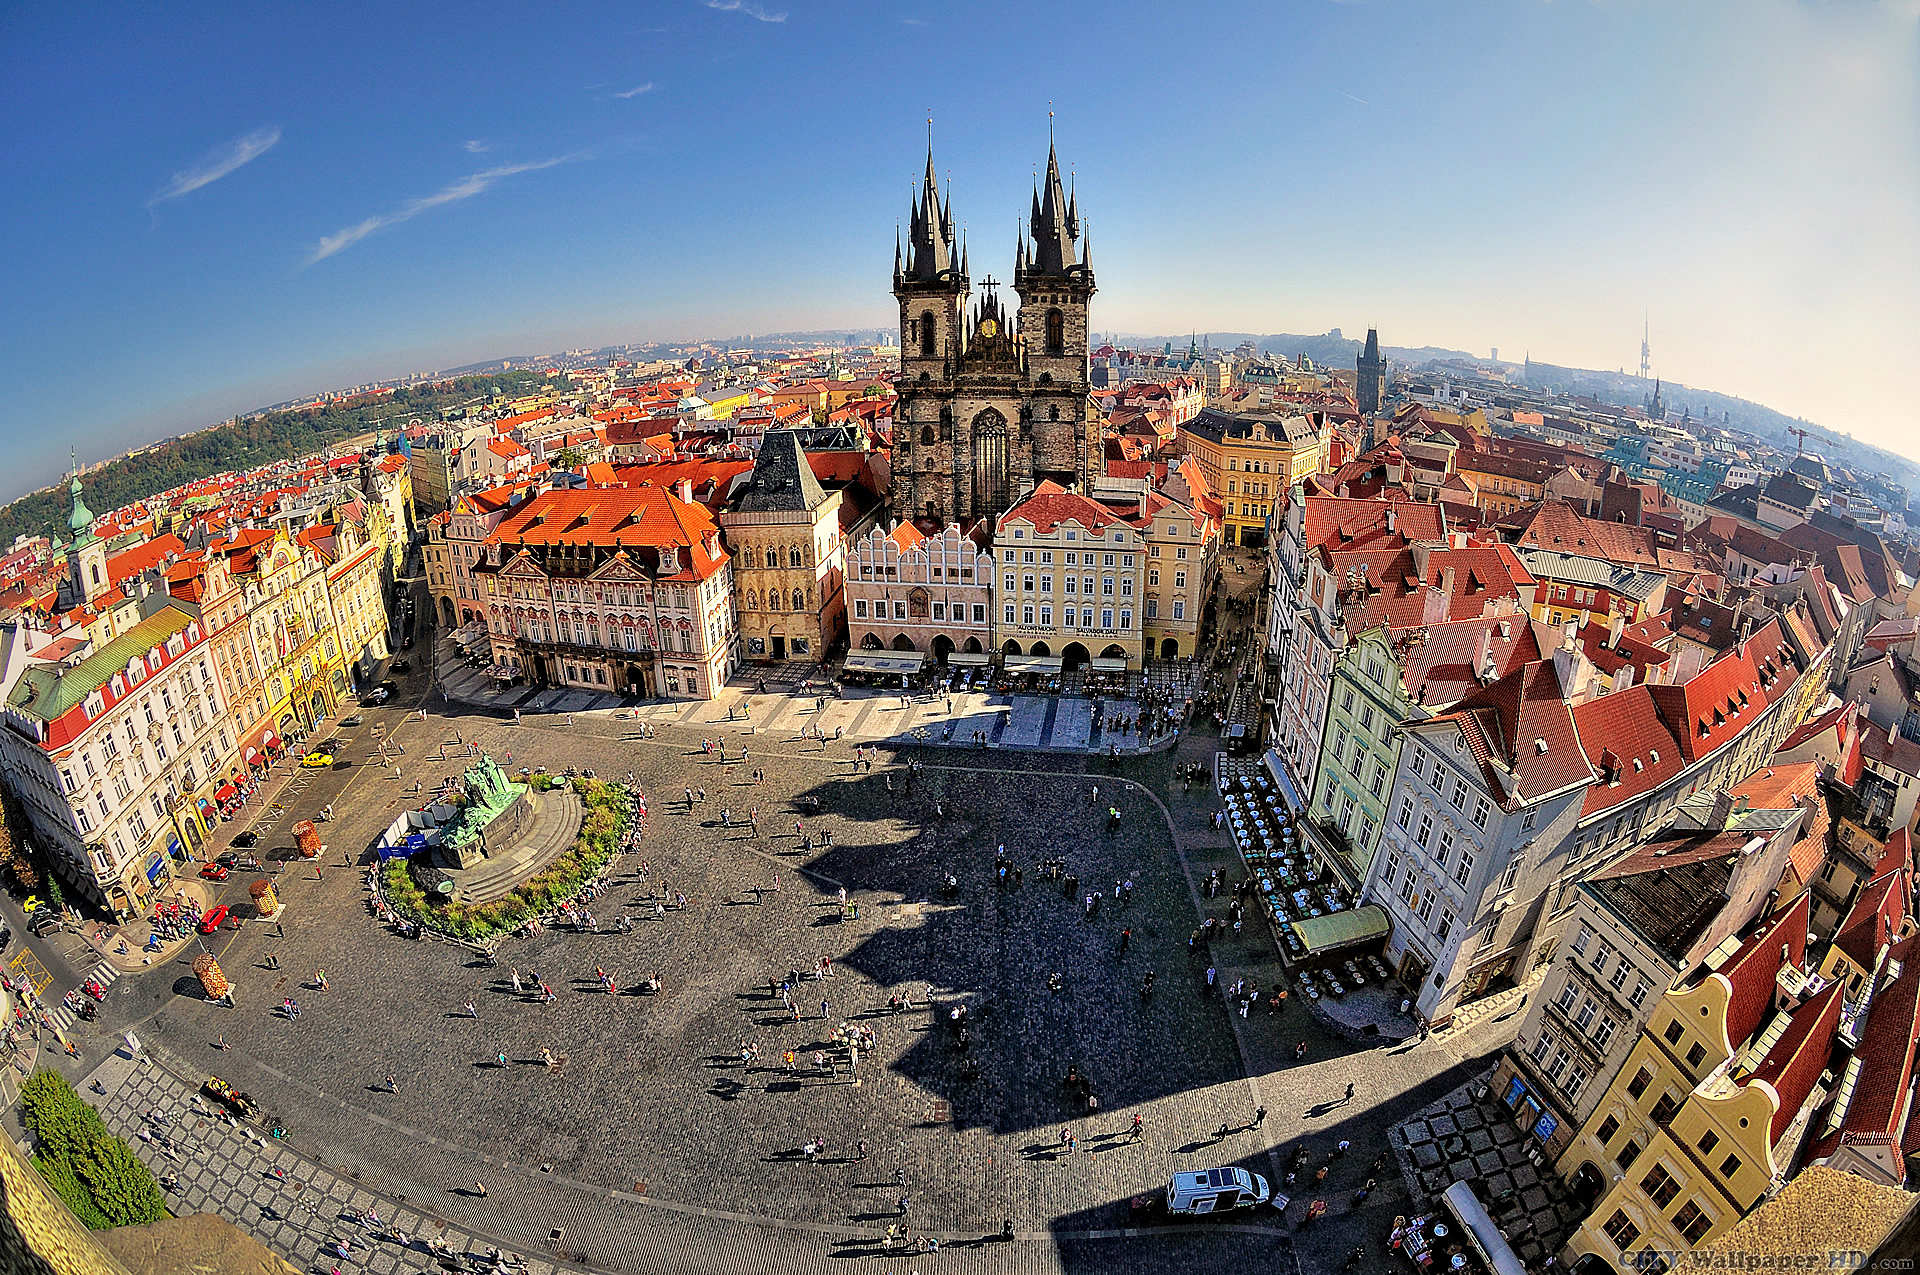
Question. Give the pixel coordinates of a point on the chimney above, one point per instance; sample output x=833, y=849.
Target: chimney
x=1615, y=628
x=1446, y=580
x=1393, y=514
x=684, y=490
x=1483, y=651
x=1722, y=810
x=1575, y=671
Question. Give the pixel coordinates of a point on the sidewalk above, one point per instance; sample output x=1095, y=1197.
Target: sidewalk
x=109, y=940
x=260, y=1184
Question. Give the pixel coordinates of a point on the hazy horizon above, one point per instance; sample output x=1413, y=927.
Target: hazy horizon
x=1537, y=178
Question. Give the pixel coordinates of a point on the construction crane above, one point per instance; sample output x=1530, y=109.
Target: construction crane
x=1800, y=434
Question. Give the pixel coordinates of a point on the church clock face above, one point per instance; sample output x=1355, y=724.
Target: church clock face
x=989, y=328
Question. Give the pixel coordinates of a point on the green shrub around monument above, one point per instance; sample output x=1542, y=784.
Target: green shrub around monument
x=601, y=832
x=96, y=1173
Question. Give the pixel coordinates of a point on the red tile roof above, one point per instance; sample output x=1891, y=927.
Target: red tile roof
x=1050, y=504
x=631, y=517
x=1782, y=786
x=1875, y=917
x=1753, y=970
x=1716, y=704
x=150, y=553
x=1879, y=1106
x=1630, y=745
x=1522, y=724
x=1554, y=524
x=1343, y=523
x=1437, y=659
x=1793, y=1066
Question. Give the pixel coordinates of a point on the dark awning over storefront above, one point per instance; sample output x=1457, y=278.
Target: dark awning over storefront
x=1337, y=931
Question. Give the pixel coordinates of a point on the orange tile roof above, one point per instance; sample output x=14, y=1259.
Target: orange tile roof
x=638, y=516
x=1785, y=785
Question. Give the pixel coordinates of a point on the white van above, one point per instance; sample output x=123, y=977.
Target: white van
x=1215, y=1191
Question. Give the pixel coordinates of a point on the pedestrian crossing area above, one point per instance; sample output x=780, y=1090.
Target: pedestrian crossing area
x=106, y=973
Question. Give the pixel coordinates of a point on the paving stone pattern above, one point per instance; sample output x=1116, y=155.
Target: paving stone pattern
x=1463, y=1137
x=653, y=1147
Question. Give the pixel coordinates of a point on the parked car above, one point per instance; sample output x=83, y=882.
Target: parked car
x=352, y=720
x=401, y=666
x=375, y=697
x=6, y=938
x=1215, y=1191
x=317, y=760
x=214, y=918
x=215, y=871
x=247, y=840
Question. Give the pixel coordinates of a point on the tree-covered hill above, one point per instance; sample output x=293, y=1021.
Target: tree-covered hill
x=254, y=440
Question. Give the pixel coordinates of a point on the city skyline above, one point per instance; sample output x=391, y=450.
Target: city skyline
x=479, y=194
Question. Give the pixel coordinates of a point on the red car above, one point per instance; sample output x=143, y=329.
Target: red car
x=214, y=872
x=212, y=920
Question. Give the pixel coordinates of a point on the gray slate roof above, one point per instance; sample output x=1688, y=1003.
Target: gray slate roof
x=783, y=481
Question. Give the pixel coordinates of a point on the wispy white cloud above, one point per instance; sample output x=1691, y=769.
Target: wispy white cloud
x=474, y=146
x=913, y=22
x=1351, y=98
x=754, y=11
x=636, y=90
x=466, y=188
x=219, y=162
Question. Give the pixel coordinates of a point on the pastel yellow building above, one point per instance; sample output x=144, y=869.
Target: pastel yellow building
x=1071, y=570
x=1250, y=459
x=1715, y=1096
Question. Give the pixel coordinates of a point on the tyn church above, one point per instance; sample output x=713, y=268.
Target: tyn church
x=991, y=403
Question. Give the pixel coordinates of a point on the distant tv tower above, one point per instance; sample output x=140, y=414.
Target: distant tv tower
x=1646, y=351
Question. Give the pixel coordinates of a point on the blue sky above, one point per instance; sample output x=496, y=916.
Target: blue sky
x=213, y=211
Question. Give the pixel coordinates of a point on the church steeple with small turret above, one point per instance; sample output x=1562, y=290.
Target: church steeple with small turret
x=86, y=554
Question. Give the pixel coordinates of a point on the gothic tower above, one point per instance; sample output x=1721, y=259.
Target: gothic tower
x=1372, y=384
x=1055, y=283
x=991, y=402
x=930, y=282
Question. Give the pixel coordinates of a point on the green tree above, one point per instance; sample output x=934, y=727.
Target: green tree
x=122, y=1188
x=570, y=458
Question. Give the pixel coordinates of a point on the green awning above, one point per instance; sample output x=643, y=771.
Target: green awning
x=1336, y=931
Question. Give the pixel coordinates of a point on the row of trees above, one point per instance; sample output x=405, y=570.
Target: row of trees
x=254, y=440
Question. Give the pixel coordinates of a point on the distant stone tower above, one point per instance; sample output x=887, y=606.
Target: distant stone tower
x=1372, y=384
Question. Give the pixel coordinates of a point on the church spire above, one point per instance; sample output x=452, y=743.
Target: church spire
x=1055, y=222
x=930, y=230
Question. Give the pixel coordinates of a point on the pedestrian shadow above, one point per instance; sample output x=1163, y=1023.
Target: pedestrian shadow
x=726, y=1089
x=1319, y=1109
